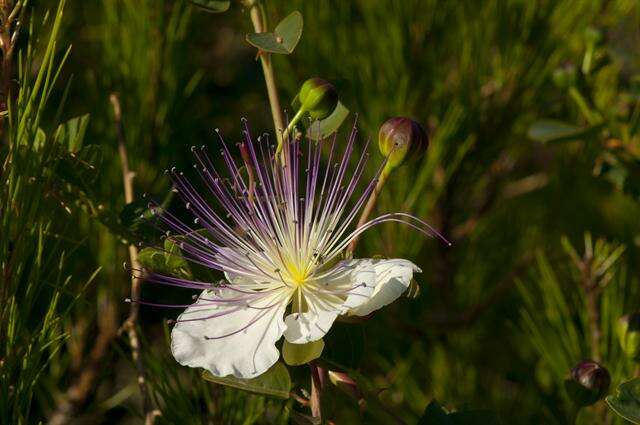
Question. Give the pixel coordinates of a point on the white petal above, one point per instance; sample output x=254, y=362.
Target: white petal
x=244, y=333
x=309, y=326
x=392, y=279
x=348, y=285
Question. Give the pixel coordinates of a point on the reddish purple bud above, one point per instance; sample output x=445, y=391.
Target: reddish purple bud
x=402, y=139
x=588, y=383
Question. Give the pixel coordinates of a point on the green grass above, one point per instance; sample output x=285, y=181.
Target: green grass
x=501, y=316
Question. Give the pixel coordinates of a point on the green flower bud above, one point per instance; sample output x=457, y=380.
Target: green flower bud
x=592, y=36
x=318, y=97
x=402, y=139
x=629, y=334
x=564, y=77
x=588, y=383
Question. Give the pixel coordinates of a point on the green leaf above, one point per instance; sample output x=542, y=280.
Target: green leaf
x=73, y=131
x=200, y=272
x=299, y=354
x=212, y=6
x=547, y=131
x=275, y=382
x=319, y=130
x=170, y=261
x=283, y=39
x=136, y=216
x=39, y=139
x=626, y=402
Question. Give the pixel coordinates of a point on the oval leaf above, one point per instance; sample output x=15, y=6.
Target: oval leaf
x=299, y=354
x=212, y=6
x=283, y=39
x=275, y=381
x=319, y=130
x=168, y=261
x=626, y=402
x=557, y=131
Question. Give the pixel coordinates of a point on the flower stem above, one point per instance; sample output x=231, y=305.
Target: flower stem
x=289, y=128
x=371, y=203
x=258, y=18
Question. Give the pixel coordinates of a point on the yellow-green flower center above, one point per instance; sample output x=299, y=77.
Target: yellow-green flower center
x=297, y=273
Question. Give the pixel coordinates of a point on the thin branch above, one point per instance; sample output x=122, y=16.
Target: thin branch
x=592, y=293
x=130, y=325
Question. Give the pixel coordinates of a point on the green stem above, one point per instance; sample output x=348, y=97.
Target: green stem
x=258, y=18
x=591, y=116
x=290, y=127
x=371, y=203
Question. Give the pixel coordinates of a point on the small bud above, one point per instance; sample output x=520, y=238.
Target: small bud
x=564, y=77
x=588, y=383
x=318, y=97
x=629, y=334
x=402, y=139
x=593, y=36
x=345, y=383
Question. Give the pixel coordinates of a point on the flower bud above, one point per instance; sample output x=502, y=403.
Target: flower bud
x=564, y=77
x=593, y=36
x=588, y=383
x=402, y=139
x=629, y=334
x=318, y=97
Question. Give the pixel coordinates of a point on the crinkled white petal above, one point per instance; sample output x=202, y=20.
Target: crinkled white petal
x=347, y=286
x=392, y=278
x=244, y=333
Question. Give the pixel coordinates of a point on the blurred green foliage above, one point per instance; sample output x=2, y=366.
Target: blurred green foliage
x=502, y=315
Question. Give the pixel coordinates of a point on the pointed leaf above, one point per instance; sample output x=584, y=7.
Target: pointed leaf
x=299, y=354
x=626, y=401
x=283, y=39
x=212, y=6
x=73, y=131
x=275, y=382
x=319, y=130
x=557, y=131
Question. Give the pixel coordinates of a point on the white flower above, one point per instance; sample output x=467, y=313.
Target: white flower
x=278, y=243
